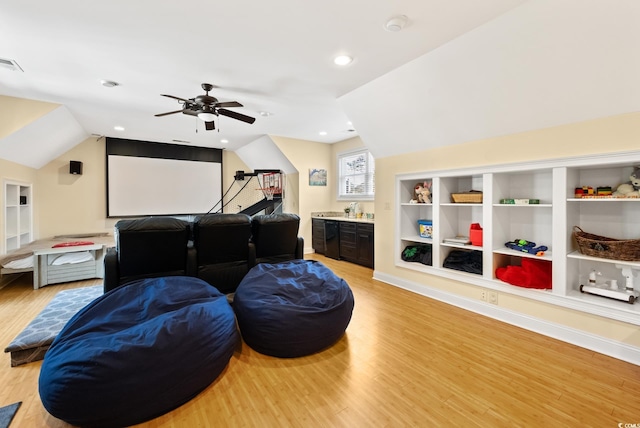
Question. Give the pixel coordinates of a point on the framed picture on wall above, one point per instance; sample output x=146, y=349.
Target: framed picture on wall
x=317, y=177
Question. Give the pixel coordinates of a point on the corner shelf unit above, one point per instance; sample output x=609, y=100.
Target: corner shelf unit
x=18, y=215
x=550, y=223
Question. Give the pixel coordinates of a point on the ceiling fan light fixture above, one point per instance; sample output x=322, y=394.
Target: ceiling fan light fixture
x=206, y=116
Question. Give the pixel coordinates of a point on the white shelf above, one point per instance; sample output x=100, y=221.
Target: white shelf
x=524, y=205
x=462, y=246
x=18, y=218
x=603, y=200
x=578, y=255
x=508, y=252
x=460, y=204
x=549, y=223
x=418, y=239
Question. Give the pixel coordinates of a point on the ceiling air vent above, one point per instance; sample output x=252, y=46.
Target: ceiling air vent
x=10, y=64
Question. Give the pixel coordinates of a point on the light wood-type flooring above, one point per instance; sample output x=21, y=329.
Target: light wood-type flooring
x=405, y=361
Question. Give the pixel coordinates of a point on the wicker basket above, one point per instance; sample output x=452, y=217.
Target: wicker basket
x=607, y=248
x=467, y=198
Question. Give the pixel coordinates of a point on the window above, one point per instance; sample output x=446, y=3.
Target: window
x=356, y=175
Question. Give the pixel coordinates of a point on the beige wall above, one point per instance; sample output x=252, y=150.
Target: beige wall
x=605, y=135
x=18, y=112
x=73, y=204
x=306, y=155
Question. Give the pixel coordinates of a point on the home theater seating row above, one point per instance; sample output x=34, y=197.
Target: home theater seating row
x=217, y=248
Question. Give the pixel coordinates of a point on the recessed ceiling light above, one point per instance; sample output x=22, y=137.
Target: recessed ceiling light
x=118, y=128
x=224, y=141
x=322, y=132
x=109, y=83
x=396, y=23
x=342, y=60
x=265, y=113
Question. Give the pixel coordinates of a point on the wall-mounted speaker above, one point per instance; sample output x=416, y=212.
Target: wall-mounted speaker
x=75, y=167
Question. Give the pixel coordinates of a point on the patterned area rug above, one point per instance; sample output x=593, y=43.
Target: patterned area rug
x=7, y=413
x=32, y=343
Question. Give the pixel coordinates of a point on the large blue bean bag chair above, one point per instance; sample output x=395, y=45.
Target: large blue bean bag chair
x=138, y=352
x=292, y=309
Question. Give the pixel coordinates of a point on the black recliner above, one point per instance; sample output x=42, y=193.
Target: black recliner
x=218, y=248
x=275, y=238
x=223, y=254
x=147, y=248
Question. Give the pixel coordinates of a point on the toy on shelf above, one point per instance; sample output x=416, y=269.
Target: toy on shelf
x=630, y=189
x=584, y=192
x=525, y=246
x=422, y=193
x=519, y=201
x=532, y=273
x=612, y=290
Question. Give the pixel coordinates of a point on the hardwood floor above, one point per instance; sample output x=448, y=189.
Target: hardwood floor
x=405, y=360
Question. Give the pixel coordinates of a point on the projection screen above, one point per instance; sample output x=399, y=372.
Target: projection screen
x=161, y=179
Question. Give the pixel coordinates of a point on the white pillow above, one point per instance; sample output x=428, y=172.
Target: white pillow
x=71, y=258
x=24, y=263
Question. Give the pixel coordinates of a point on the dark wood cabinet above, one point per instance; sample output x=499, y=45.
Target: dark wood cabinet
x=317, y=235
x=356, y=240
x=364, y=245
x=348, y=241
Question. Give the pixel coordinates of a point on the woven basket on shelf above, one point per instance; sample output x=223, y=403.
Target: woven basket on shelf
x=467, y=198
x=607, y=248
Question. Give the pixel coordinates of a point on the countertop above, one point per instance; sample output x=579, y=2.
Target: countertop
x=338, y=218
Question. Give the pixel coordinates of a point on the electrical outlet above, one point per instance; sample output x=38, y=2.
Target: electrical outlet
x=493, y=297
x=483, y=295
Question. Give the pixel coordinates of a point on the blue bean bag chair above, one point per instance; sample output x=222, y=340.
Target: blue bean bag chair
x=138, y=352
x=292, y=309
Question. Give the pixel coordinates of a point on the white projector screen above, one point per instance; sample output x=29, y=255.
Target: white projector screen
x=151, y=186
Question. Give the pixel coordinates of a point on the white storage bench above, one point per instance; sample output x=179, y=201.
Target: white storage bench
x=45, y=273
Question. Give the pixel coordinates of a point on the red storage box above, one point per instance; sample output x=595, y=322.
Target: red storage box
x=475, y=234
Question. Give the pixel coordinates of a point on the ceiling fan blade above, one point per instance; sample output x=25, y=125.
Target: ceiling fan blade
x=177, y=98
x=235, y=115
x=189, y=112
x=168, y=113
x=228, y=104
x=209, y=126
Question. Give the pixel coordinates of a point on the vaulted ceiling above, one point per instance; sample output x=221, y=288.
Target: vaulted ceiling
x=460, y=70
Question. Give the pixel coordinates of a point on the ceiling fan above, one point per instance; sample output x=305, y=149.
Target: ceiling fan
x=207, y=108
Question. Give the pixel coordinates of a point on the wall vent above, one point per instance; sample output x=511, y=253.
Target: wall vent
x=10, y=64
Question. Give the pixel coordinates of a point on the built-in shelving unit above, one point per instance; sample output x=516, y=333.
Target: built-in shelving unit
x=18, y=215
x=550, y=222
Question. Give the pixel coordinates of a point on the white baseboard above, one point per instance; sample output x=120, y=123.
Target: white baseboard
x=612, y=348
